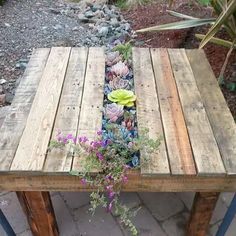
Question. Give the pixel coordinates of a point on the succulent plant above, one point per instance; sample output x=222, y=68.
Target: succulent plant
x=120, y=69
x=118, y=83
x=128, y=120
x=112, y=58
x=122, y=97
x=113, y=111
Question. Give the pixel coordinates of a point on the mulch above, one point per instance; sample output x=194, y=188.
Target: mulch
x=155, y=13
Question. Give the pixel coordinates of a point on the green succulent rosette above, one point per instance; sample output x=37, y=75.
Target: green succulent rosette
x=122, y=97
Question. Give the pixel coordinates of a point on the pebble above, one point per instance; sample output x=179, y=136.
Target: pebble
x=7, y=25
x=89, y=14
x=103, y=31
x=58, y=27
x=2, y=99
x=2, y=81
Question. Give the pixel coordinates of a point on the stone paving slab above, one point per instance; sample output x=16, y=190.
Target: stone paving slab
x=161, y=214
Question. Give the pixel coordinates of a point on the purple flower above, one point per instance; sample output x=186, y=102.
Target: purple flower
x=99, y=132
x=100, y=156
x=69, y=136
x=125, y=179
x=83, y=181
x=83, y=139
x=109, y=207
x=111, y=194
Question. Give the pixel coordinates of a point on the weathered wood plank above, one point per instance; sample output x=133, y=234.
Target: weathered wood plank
x=90, y=120
x=222, y=122
x=39, y=212
x=30, y=154
x=148, y=114
x=15, y=121
x=202, y=210
x=137, y=182
x=204, y=146
x=176, y=134
x=67, y=117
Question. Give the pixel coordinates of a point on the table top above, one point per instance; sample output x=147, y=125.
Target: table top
x=178, y=98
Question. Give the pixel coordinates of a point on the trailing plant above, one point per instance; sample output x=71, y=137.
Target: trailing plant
x=112, y=158
x=226, y=18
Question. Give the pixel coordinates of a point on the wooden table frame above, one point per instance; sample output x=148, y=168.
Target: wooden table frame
x=177, y=93
x=32, y=192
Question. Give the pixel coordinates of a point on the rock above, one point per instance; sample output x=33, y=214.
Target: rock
x=21, y=65
x=7, y=25
x=89, y=14
x=114, y=22
x=103, y=31
x=95, y=39
x=58, y=27
x=2, y=99
x=82, y=18
x=9, y=97
x=2, y=81
x=1, y=89
x=55, y=11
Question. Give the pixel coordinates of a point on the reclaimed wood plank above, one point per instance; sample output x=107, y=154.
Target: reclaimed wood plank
x=176, y=134
x=90, y=120
x=67, y=118
x=201, y=213
x=221, y=119
x=206, y=152
x=30, y=154
x=15, y=121
x=148, y=113
x=39, y=211
x=137, y=183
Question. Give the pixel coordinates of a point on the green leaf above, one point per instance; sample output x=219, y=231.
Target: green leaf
x=221, y=42
x=231, y=86
x=179, y=25
x=221, y=20
x=180, y=15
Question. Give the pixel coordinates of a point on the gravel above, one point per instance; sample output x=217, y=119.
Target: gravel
x=29, y=24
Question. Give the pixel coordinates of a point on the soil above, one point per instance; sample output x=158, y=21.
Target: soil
x=155, y=13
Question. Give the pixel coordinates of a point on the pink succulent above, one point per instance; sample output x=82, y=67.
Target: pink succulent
x=112, y=58
x=120, y=69
x=113, y=111
x=118, y=83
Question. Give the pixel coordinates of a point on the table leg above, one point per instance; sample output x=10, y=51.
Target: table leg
x=39, y=211
x=202, y=209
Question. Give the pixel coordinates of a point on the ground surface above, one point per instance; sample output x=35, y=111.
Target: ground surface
x=161, y=214
x=155, y=14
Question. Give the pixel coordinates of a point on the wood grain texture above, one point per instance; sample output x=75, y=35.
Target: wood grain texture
x=176, y=134
x=90, y=120
x=39, y=212
x=67, y=117
x=202, y=210
x=206, y=152
x=30, y=154
x=137, y=183
x=15, y=121
x=148, y=114
x=221, y=119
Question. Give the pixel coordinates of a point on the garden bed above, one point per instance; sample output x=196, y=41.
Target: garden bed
x=154, y=14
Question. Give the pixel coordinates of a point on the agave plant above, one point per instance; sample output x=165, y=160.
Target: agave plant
x=122, y=97
x=113, y=111
x=226, y=18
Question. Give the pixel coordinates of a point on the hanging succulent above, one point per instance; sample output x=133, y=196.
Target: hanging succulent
x=117, y=83
x=112, y=58
x=122, y=97
x=120, y=69
x=113, y=111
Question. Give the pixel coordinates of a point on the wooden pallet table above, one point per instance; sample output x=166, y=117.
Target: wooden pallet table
x=178, y=98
